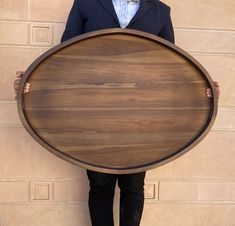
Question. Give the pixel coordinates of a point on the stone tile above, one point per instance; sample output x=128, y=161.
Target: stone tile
x=208, y=162
x=14, y=191
x=217, y=191
x=23, y=57
x=215, y=159
x=9, y=114
x=56, y=11
x=58, y=30
x=41, y=191
x=61, y=191
x=14, y=33
x=225, y=118
x=186, y=191
x=22, y=157
x=175, y=214
x=14, y=10
x=41, y=34
x=212, y=158
x=197, y=191
x=44, y=214
x=71, y=191
x=78, y=191
x=205, y=40
x=150, y=191
x=203, y=14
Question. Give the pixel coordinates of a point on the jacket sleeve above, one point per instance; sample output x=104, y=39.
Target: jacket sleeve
x=75, y=23
x=167, y=31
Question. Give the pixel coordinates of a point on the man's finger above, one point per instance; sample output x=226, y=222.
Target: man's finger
x=27, y=87
x=16, y=82
x=19, y=74
x=26, y=91
x=208, y=92
x=216, y=83
x=16, y=85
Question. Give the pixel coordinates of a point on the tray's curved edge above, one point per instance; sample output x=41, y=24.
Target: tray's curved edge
x=196, y=140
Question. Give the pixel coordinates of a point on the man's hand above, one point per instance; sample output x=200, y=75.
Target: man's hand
x=209, y=93
x=17, y=82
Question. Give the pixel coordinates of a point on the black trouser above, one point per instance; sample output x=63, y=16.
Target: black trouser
x=101, y=195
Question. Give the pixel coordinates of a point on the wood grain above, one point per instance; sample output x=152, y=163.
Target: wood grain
x=117, y=101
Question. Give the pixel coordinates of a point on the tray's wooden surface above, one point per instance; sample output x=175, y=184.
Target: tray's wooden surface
x=117, y=101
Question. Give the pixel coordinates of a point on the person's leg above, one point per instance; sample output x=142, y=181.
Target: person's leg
x=102, y=187
x=132, y=198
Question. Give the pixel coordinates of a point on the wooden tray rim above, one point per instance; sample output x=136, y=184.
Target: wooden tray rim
x=94, y=167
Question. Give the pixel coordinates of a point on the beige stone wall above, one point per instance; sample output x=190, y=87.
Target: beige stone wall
x=37, y=188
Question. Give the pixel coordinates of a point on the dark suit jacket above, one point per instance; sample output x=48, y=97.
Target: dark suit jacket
x=152, y=16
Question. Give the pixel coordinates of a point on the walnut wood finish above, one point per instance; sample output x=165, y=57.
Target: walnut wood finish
x=117, y=101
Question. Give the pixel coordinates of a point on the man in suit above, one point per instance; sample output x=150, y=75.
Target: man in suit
x=150, y=16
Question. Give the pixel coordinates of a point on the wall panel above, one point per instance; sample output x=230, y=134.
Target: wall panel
x=210, y=14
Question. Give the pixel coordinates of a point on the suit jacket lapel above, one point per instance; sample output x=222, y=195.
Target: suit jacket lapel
x=145, y=5
x=108, y=5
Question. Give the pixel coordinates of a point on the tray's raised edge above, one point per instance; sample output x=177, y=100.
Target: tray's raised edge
x=94, y=167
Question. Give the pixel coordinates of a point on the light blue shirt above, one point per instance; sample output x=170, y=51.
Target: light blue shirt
x=125, y=10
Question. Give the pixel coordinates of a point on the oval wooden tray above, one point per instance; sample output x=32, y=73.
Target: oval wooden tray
x=117, y=101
